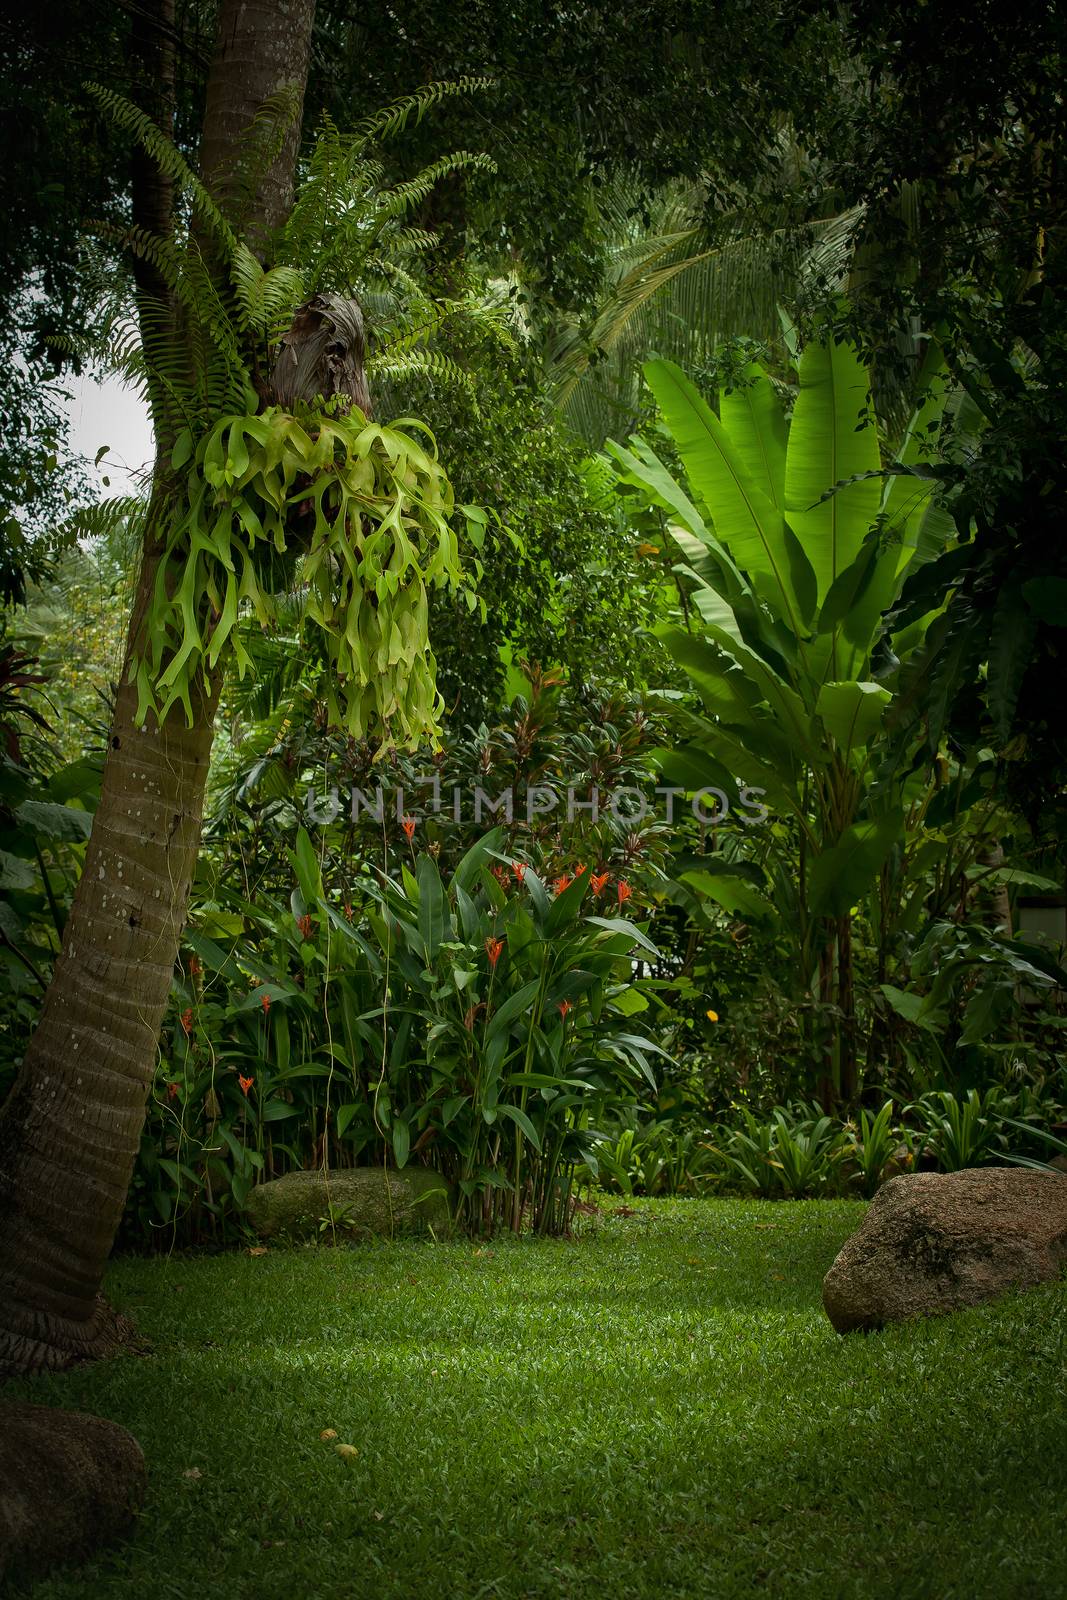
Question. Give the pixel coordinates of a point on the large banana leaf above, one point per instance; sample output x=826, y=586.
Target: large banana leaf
x=832, y=438
x=753, y=417
x=746, y=519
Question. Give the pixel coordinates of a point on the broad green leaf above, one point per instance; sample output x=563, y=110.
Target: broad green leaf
x=782, y=700
x=723, y=687
x=16, y=874
x=852, y=712
x=620, y=925
x=345, y=1115
x=401, y=1141
x=832, y=437
x=753, y=417
x=79, y=780
x=466, y=873
x=512, y=1007
x=840, y=876
x=735, y=895
x=305, y=864
x=521, y=1120
x=746, y=520
x=51, y=821
x=629, y=1002
x=662, y=489
x=566, y=906
x=435, y=923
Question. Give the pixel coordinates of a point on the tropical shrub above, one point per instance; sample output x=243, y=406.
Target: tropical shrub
x=796, y=542
x=480, y=1028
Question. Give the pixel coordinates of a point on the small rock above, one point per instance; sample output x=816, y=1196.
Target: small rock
x=69, y=1482
x=937, y=1242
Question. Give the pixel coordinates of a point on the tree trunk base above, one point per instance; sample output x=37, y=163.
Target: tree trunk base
x=34, y=1343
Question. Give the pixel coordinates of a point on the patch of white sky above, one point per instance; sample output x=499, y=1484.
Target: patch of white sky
x=108, y=416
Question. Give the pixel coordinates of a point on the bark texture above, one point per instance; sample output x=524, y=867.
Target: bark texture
x=70, y=1130
x=260, y=69
x=322, y=354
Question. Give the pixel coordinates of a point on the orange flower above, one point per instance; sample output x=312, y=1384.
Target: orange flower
x=563, y=1008
x=519, y=869
x=348, y=910
x=624, y=892
x=493, y=948
x=647, y=549
x=187, y=1019
x=598, y=880
x=246, y=1083
x=563, y=882
x=408, y=825
x=195, y=969
x=305, y=926
x=172, y=1091
x=500, y=874
x=264, y=1001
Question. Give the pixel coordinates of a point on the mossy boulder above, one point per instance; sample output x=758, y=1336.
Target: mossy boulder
x=69, y=1482
x=363, y=1203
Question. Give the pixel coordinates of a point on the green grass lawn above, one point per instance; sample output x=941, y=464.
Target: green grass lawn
x=657, y=1408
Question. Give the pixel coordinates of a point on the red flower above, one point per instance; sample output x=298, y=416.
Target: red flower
x=624, y=892
x=305, y=926
x=563, y=882
x=500, y=874
x=598, y=880
x=579, y=869
x=264, y=1001
x=519, y=869
x=408, y=825
x=172, y=1091
x=195, y=969
x=187, y=1019
x=493, y=948
x=563, y=1008
x=348, y=910
x=246, y=1083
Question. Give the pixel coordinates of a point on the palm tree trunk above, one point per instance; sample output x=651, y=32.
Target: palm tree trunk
x=70, y=1130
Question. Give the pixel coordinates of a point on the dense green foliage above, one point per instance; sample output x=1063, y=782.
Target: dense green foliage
x=818, y=579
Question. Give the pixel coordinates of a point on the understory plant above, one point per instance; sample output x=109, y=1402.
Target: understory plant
x=479, y=1024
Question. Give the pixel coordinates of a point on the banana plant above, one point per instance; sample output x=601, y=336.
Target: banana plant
x=794, y=541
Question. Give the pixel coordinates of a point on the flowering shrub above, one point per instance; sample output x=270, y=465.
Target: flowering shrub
x=479, y=1025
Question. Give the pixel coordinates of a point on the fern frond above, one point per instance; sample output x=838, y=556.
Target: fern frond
x=131, y=119
x=393, y=118
x=394, y=202
x=428, y=364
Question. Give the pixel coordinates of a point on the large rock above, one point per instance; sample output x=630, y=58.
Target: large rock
x=363, y=1202
x=69, y=1482
x=933, y=1242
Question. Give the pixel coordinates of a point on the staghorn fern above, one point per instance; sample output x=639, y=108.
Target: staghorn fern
x=350, y=517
